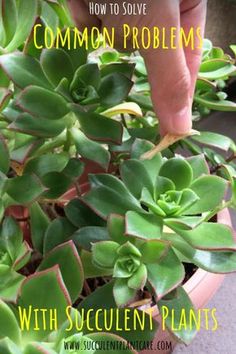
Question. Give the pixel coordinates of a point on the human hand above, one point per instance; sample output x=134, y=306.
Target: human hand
x=172, y=73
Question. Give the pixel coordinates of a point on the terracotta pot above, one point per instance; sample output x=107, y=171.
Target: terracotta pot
x=201, y=287
x=72, y=194
x=93, y=167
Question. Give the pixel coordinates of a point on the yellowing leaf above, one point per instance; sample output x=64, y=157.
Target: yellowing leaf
x=167, y=141
x=124, y=108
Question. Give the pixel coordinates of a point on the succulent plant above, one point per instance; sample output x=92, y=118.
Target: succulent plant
x=165, y=208
x=128, y=231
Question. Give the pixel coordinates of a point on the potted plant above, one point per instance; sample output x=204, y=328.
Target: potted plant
x=91, y=230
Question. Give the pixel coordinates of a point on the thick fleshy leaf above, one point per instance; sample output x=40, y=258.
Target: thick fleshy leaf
x=4, y=80
x=74, y=169
x=138, y=279
x=129, y=249
x=5, y=96
x=114, y=89
x=109, y=196
x=44, y=164
x=126, y=266
x=63, y=333
x=44, y=128
x=95, y=300
x=143, y=101
x=165, y=275
x=109, y=56
x=38, y=348
x=178, y=171
x=10, y=283
x=213, y=139
x=135, y=177
x=205, y=85
x=90, y=149
x=59, y=231
x=211, y=261
x=86, y=75
x=31, y=186
x=188, y=198
x=147, y=133
x=26, y=17
x=3, y=183
x=207, y=48
x=90, y=269
x=126, y=69
x=211, y=191
x=42, y=103
x=66, y=256
x=34, y=44
x=153, y=251
x=105, y=253
x=8, y=324
x=179, y=305
x=216, y=104
x=21, y=155
x=24, y=70
x=56, y=184
x=144, y=226
x=116, y=228
x=9, y=19
x=140, y=147
x=99, y=128
x=124, y=108
x=7, y=346
x=162, y=186
x=61, y=11
x=215, y=69
x=153, y=165
x=85, y=236
x=184, y=222
x=80, y=215
x=199, y=166
x=23, y=256
x=123, y=294
x=5, y=158
x=33, y=296
x=63, y=89
x=39, y=223
x=56, y=65
x=2, y=30
x=78, y=56
x=209, y=236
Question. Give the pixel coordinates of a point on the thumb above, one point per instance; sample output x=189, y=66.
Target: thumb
x=170, y=82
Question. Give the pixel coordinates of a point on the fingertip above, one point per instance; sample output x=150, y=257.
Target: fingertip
x=179, y=123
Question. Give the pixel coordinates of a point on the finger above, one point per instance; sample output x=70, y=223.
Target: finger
x=193, y=16
x=169, y=75
x=81, y=15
